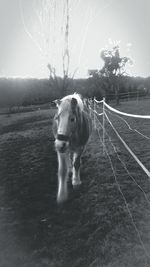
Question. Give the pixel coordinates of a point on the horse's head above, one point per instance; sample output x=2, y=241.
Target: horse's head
x=66, y=121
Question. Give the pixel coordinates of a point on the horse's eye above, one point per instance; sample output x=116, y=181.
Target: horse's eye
x=56, y=118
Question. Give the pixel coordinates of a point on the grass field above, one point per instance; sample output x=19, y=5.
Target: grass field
x=92, y=229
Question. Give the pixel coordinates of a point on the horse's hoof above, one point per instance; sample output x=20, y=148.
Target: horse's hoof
x=61, y=199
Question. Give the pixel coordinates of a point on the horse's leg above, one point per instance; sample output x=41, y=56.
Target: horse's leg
x=70, y=164
x=62, y=194
x=76, y=168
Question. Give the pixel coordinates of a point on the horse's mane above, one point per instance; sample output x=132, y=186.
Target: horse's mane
x=77, y=97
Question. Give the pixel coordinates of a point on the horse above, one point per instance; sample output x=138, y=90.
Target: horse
x=71, y=128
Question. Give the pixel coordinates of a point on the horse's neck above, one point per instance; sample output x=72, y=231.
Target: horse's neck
x=81, y=135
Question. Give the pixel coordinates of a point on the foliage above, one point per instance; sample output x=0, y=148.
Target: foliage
x=108, y=79
x=18, y=92
x=114, y=64
x=114, y=67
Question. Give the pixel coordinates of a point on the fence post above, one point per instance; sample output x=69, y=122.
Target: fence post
x=94, y=113
x=103, y=125
x=89, y=106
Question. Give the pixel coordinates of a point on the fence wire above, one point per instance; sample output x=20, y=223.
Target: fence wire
x=124, y=198
x=96, y=115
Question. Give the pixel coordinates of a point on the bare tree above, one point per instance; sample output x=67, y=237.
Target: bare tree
x=50, y=34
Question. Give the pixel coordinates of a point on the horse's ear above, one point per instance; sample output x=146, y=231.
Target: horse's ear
x=57, y=102
x=73, y=103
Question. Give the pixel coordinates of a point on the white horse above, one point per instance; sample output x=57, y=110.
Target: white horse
x=71, y=128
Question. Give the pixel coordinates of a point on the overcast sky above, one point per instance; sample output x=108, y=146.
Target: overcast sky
x=94, y=24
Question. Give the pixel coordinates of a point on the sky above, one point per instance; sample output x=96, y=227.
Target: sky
x=32, y=35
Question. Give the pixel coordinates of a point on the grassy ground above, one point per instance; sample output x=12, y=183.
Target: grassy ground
x=94, y=228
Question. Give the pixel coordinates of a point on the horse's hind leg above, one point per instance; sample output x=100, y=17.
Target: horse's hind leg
x=76, y=168
x=70, y=164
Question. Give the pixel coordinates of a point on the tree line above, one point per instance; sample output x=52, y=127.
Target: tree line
x=24, y=92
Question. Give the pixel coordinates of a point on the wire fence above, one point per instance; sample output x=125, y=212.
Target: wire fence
x=107, y=109
x=130, y=95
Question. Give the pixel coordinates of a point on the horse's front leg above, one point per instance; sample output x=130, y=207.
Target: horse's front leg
x=76, y=168
x=63, y=159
